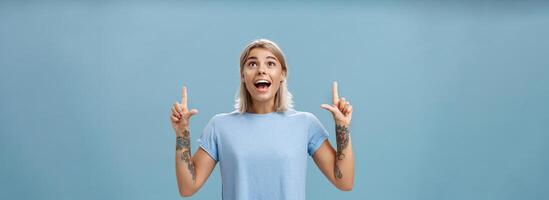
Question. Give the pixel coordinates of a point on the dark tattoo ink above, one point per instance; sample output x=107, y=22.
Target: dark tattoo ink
x=186, y=156
x=179, y=143
x=184, y=143
x=337, y=172
x=342, y=137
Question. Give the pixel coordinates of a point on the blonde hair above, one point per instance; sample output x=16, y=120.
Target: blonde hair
x=283, y=97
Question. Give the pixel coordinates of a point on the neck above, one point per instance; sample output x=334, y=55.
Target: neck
x=263, y=107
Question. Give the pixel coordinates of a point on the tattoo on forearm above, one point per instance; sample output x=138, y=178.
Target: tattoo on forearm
x=337, y=172
x=342, y=137
x=186, y=156
x=184, y=143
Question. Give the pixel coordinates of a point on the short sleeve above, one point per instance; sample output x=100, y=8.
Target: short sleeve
x=208, y=140
x=317, y=134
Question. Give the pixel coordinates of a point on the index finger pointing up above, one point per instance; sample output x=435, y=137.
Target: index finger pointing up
x=184, y=97
x=335, y=95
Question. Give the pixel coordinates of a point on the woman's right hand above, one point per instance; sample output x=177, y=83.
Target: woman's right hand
x=181, y=115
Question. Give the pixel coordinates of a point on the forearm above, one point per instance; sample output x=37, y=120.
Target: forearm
x=184, y=165
x=344, y=166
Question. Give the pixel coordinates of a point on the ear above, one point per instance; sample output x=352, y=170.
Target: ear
x=242, y=77
x=283, y=75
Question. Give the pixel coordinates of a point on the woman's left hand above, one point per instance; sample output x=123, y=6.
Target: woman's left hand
x=341, y=109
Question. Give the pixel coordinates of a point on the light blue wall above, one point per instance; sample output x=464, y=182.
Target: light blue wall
x=450, y=99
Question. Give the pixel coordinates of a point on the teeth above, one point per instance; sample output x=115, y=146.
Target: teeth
x=261, y=81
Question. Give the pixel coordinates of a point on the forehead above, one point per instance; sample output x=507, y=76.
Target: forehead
x=260, y=53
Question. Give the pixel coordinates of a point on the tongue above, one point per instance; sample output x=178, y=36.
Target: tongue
x=262, y=86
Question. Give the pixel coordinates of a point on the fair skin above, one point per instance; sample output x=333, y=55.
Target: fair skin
x=261, y=65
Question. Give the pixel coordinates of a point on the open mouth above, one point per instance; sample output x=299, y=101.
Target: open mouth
x=262, y=84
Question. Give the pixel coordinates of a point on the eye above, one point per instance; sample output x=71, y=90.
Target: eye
x=271, y=64
x=252, y=64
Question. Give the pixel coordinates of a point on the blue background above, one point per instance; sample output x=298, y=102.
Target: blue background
x=450, y=98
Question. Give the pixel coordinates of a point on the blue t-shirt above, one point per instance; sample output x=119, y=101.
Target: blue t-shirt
x=263, y=156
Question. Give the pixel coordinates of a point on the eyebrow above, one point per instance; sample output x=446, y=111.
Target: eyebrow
x=272, y=58
x=253, y=57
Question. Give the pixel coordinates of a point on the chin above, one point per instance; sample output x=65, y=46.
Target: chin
x=263, y=97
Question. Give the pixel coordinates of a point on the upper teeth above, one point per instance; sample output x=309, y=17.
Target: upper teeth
x=262, y=81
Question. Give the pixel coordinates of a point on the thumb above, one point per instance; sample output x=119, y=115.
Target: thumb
x=193, y=112
x=329, y=108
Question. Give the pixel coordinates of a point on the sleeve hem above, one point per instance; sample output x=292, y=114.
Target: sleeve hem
x=208, y=152
x=316, y=146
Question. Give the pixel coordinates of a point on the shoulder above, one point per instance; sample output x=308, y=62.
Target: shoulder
x=301, y=115
x=225, y=116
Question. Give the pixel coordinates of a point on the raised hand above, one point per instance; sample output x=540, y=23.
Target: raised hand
x=181, y=115
x=341, y=109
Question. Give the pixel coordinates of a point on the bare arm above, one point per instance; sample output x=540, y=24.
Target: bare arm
x=338, y=166
x=191, y=171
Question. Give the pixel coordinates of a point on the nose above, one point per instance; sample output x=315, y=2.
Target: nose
x=261, y=69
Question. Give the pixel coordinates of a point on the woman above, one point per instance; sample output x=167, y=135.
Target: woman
x=263, y=145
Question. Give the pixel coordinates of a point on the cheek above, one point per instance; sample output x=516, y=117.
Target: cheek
x=277, y=75
x=247, y=76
